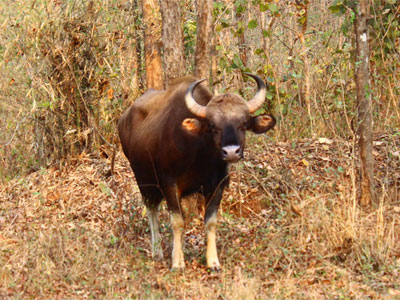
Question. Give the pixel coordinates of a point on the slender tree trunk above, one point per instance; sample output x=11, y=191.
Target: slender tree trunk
x=214, y=63
x=241, y=25
x=302, y=7
x=152, y=43
x=172, y=36
x=204, y=31
x=364, y=100
x=128, y=56
x=129, y=65
x=129, y=70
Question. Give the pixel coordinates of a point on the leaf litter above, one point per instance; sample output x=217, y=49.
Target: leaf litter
x=289, y=226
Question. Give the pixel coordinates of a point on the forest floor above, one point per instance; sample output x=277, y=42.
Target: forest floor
x=289, y=228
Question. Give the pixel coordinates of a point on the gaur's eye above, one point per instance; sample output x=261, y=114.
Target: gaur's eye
x=243, y=126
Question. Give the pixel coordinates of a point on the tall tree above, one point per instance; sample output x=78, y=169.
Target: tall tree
x=128, y=55
x=152, y=43
x=302, y=20
x=364, y=101
x=241, y=21
x=172, y=37
x=128, y=68
x=202, y=57
x=215, y=84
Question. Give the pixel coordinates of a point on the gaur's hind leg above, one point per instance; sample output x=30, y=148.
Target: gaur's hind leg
x=152, y=198
x=152, y=215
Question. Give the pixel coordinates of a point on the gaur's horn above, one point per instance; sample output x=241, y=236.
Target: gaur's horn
x=196, y=109
x=259, y=97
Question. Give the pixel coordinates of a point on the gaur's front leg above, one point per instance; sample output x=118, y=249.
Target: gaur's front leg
x=211, y=255
x=210, y=221
x=177, y=224
x=172, y=196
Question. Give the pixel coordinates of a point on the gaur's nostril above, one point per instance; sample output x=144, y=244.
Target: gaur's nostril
x=224, y=152
x=237, y=151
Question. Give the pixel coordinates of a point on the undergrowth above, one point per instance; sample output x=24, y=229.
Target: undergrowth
x=289, y=228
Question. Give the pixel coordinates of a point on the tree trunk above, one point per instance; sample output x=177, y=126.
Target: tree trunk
x=302, y=7
x=215, y=83
x=364, y=100
x=129, y=70
x=152, y=44
x=241, y=21
x=172, y=36
x=204, y=31
x=129, y=64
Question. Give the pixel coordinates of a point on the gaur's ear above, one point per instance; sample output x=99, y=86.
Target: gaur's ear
x=192, y=126
x=262, y=123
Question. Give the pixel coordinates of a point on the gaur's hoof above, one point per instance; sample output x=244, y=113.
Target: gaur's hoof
x=214, y=269
x=213, y=265
x=178, y=269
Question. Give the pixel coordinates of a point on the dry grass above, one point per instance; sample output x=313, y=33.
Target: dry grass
x=290, y=228
x=65, y=76
x=68, y=69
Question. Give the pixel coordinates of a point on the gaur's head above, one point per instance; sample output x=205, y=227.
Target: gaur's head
x=228, y=116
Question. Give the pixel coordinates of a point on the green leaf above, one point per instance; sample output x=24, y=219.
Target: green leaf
x=105, y=189
x=224, y=23
x=263, y=7
x=335, y=9
x=259, y=111
x=338, y=7
x=240, y=27
x=259, y=51
x=222, y=63
x=301, y=20
x=273, y=8
x=113, y=240
x=267, y=33
x=45, y=104
x=252, y=24
x=218, y=5
x=237, y=62
x=296, y=75
x=240, y=3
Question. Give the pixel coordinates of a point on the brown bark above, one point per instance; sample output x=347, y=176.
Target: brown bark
x=364, y=100
x=215, y=84
x=204, y=34
x=172, y=36
x=241, y=19
x=152, y=43
x=129, y=70
x=302, y=7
